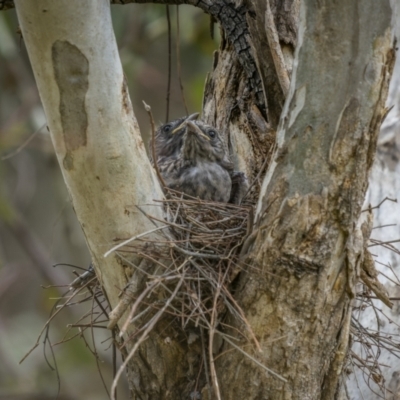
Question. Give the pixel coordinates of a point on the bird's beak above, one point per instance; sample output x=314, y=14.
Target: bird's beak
x=193, y=128
x=191, y=117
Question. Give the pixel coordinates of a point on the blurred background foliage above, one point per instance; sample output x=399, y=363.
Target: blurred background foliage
x=38, y=226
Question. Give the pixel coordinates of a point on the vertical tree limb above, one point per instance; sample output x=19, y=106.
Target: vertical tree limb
x=74, y=56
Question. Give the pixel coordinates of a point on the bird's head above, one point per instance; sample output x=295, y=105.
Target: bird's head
x=202, y=141
x=169, y=137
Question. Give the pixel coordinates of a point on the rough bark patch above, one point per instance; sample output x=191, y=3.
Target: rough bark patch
x=71, y=70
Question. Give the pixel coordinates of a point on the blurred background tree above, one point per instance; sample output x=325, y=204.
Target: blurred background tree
x=38, y=226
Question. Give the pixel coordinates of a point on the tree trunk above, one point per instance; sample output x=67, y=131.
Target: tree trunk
x=383, y=184
x=93, y=129
x=306, y=247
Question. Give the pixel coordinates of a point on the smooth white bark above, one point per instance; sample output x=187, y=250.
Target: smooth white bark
x=75, y=60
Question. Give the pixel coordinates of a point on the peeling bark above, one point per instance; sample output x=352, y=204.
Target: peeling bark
x=309, y=245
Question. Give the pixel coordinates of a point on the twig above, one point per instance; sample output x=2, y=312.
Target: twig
x=169, y=62
x=94, y=347
x=23, y=145
x=143, y=338
x=383, y=226
x=49, y=320
x=252, y=358
x=178, y=59
x=213, y=324
x=144, y=293
x=369, y=208
x=125, y=242
x=203, y=349
x=153, y=139
x=379, y=243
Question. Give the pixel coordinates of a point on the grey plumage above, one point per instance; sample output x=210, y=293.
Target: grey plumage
x=197, y=170
x=240, y=186
x=169, y=137
x=189, y=162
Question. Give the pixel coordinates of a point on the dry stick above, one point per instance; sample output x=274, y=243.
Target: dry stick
x=252, y=358
x=170, y=223
x=198, y=376
x=268, y=342
x=383, y=226
x=362, y=366
x=197, y=254
x=394, y=274
x=126, y=298
x=76, y=324
x=203, y=348
x=50, y=319
x=145, y=311
x=355, y=376
x=138, y=266
x=366, y=337
x=143, y=337
x=377, y=298
x=94, y=347
x=23, y=145
x=210, y=342
x=70, y=326
x=276, y=51
x=369, y=208
x=82, y=326
x=244, y=319
x=178, y=59
x=47, y=339
x=144, y=293
x=132, y=239
x=153, y=138
x=390, y=247
x=67, y=339
x=148, y=258
x=98, y=302
x=169, y=63
x=114, y=358
x=379, y=243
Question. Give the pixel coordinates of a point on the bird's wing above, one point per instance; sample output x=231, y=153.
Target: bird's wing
x=227, y=165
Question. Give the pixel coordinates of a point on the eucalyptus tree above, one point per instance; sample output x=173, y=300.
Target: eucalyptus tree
x=298, y=90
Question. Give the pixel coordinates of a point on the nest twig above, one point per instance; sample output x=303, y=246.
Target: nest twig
x=369, y=341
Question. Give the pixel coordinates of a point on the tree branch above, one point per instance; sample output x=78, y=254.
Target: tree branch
x=74, y=56
x=308, y=246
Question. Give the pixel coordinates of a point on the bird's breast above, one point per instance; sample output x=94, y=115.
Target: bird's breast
x=207, y=181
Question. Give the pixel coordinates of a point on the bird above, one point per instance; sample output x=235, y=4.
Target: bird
x=168, y=138
x=168, y=144
x=200, y=169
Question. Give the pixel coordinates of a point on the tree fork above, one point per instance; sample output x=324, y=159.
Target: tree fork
x=307, y=244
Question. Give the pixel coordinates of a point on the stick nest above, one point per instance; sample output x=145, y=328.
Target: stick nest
x=192, y=261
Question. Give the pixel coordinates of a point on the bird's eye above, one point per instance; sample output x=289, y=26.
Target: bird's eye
x=212, y=134
x=167, y=128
